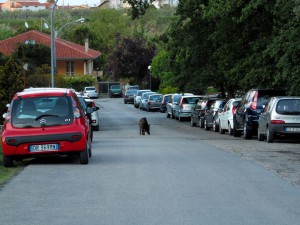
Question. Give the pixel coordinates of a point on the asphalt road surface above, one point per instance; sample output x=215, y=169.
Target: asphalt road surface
x=178, y=175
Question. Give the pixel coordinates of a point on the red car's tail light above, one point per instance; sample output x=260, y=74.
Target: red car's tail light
x=94, y=121
x=93, y=104
x=277, y=121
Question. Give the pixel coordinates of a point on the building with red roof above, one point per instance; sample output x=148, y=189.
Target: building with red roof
x=71, y=59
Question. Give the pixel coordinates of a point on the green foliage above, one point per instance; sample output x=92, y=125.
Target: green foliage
x=130, y=58
x=138, y=7
x=41, y=77
x=6, y=31
x=77, y=83
x=35, y=55
x=11, y=81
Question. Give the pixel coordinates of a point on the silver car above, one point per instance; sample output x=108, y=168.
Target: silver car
x=281, y=116
x=154, y=102
x=144, y=99
x=137, y=97
x=91, y=92
x=184, y=106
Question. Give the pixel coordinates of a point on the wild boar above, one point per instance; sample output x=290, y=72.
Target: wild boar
x=144, y=126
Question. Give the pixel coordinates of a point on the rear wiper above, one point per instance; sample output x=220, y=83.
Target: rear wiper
x=45, y=115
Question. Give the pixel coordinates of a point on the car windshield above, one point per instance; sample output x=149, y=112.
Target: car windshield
x=90, y=89
x=190, y=100
x=42, y=111
x=155, y=97
x=131, y=92
x=176, y=98
x=288, y=107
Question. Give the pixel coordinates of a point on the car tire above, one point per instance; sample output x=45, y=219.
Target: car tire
x=7, y=161
x=236, y=132
x=230, y=130
x=201, y=123
x=270, y=136
x=246, y=131
x=260, y=136
x=221, y=130
x=90, y=152
x=173, y=116
x=192, y=122
x=96, y=128
x=205, y=124
x=84, y=155
x=215, y=126
x=168, y=115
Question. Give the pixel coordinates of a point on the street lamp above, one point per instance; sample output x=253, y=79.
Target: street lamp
x=81, y=20
x=52, y=43
x=149, y=68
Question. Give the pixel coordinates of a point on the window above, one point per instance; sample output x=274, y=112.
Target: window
x=70, y=68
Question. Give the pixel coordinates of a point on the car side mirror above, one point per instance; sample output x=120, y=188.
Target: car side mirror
x=96, y=108
x=89, y=110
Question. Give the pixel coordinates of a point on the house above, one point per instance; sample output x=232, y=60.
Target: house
x=23, y=5
x=71, y=59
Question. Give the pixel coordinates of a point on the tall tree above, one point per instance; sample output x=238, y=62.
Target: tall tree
x=11, y=81
x=130, y=59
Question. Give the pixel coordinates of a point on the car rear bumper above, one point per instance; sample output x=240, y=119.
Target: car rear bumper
x=20, y=145
x=287, y=128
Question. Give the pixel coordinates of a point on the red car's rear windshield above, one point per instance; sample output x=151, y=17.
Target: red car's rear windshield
x=42, y=111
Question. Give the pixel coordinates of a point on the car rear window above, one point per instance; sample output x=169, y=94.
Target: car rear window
x=190, y=100
x=90, y=89
x=288, y=107
x=42, y=111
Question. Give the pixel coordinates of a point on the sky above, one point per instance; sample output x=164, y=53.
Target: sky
x=77, y=2
x=72, y=2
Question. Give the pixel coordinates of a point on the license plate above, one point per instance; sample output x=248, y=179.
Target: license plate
x=292, y=129
x=41, y=148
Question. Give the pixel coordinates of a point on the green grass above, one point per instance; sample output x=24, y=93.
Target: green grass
x=8, y=173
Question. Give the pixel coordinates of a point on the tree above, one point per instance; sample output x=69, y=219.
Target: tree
x=35, y=55
x=130, y=59
x=138, y=7
x=11, y=81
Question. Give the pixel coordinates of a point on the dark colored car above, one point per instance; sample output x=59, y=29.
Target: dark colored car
x=200, y=109
x=249, y=109
x=129, y=96
x=44, y=122
x=211, y=116
x=115, y=90
x=164, y=102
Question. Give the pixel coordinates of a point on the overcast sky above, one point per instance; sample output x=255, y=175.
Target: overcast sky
x=72, y=2
x=76, y=2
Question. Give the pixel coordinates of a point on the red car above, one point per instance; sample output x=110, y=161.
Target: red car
x=46, y=121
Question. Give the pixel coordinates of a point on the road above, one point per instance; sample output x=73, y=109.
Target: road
x=178, y=175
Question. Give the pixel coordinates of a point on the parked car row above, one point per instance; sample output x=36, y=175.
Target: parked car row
x=267, y=113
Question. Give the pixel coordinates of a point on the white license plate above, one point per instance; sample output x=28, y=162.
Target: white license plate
x=41, y=148
x=292, y=129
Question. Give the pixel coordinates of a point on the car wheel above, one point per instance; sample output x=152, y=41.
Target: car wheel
x=201, y=123
x=230, y=130
x=125, y=102
x=205, y=124
x=90, y=152
x=7, y=161
x=84, y=155
x=236, y=133
x=221, y=130
x=270, y=136
x=215, y=126
x=260, y=136
x=180, y=119
x=192, y=122
x=246, y=131
x=96, y=128
x=168, y=115
x=173, y=116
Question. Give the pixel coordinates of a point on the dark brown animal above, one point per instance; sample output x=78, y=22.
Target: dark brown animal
x=144, y=126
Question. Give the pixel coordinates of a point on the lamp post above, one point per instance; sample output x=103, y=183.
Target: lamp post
x=149, y=68
x=56, y=34
x=52, y=43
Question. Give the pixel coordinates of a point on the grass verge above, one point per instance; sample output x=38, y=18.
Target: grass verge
x=8, y=173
